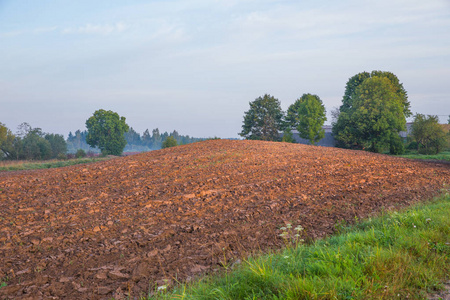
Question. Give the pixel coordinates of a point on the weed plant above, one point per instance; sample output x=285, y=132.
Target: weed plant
x=402, y=255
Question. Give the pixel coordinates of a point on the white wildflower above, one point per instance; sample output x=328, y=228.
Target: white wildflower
x=298, y=228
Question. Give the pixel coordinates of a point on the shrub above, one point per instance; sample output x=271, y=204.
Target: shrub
x=428, y=134
x=169, y=142
x=80, y=153
x=288, y=137
x=396, y=146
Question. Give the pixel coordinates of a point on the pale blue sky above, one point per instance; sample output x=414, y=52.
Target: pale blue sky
x=194, y=65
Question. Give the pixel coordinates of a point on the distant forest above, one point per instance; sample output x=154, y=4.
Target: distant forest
x=135, y=142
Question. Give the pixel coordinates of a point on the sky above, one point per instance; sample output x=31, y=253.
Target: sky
x=194, y=65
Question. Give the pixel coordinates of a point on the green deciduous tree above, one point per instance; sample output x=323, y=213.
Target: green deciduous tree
x=292, y=116
x=378, y=113
x=23, y=129
x=30, y=143
x=170, y=141
x=354, y=82
x=373, y=111
x=7, y=143
x=57, y=144
x=264, y=120
x=308, y=115
x=396, y=145
x=35, y=146
x=428, y=134
x=106, y=131
x=288, y=137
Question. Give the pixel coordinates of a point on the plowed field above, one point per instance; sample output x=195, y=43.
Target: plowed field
x=120, y=227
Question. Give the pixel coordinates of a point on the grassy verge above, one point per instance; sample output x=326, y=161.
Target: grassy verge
x=26, y=165
x=397, y=256
x=441, y=156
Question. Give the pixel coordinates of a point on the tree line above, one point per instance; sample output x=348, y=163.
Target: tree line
x=104, y=135
x=110, y=133
x=148, y=141
x=30, y=144
x=265, y=119
x=373, y=112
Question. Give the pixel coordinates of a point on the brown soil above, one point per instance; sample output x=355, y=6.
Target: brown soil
x=121, y=227
x=442, y=295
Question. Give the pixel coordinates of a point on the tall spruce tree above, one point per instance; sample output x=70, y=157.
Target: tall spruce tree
x=264, y=119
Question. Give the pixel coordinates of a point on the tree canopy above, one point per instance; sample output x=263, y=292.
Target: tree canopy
x=308, y=115
x=7, y=139
x=30, y=143
x=354, y=82
x=78, y=141
x=428, y=134
x=57, y=143
x=373, y=111
x=150, y=140
x=132, y=137
x=292, y=116
x=170, y=141
x=288, y=137
x=106, y=131
x=35, y=146
x=264, y=119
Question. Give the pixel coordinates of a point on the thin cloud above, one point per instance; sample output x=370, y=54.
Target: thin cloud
x=12, y=33
x=170, y=33
x=97, y=29
x=38, y=30
x=287, y=21
x=44, y=29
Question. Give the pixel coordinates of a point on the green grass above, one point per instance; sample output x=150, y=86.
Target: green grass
x=402, y=255
x=26, y=165
x=441, y=156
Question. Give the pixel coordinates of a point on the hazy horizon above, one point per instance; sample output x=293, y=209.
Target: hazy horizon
x=194, y=65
